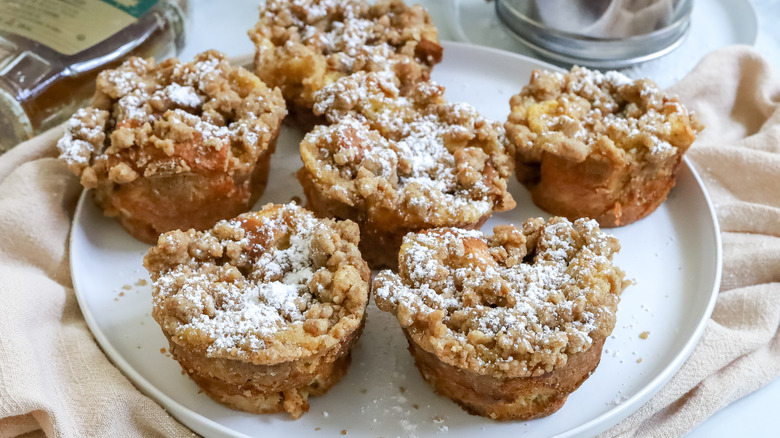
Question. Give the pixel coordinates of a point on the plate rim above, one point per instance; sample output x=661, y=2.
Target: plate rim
x=596, y=425
x=632, y=404
x=168, y=404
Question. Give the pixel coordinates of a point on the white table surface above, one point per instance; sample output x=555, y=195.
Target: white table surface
x=222, y=25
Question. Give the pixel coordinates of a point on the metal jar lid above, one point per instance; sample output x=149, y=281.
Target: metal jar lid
x=597, y=33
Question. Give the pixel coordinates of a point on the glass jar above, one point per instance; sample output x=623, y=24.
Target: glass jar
x=52, y=50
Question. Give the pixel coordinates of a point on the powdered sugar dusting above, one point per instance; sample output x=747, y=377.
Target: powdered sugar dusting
x=172, y=106
x=505, y=311
x=182, y=95
x=634, y=126
x=419, y=128
x=83, y=132
x=350, y=36
x=241, y=314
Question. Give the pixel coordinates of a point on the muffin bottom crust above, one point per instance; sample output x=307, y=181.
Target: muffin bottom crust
x=507, y=398
x=136, y=204
x=266, y=389
x=598, y=188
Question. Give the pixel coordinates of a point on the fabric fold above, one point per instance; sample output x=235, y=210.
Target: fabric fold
x=736, y=94
x=53, y=375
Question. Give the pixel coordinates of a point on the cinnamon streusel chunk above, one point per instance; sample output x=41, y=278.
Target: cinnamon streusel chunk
x=598, y=145
x=303, y=45
x=262, y=311
x=174, y=145
x=506, y=325
x=396, y=164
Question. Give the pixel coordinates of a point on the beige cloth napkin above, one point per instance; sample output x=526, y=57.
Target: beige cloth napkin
x=54, y=380
x=736, y=93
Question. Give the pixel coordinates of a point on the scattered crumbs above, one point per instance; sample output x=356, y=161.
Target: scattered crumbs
x=644, y=335
x=127, y=287
x=343, y=431
x=121, y=294
x=639, y=360
x=439, y=421
x=183, y=372
x=138, y=347
x=200, y=391
x=363, y=391
x=402, y=389
x=317, y=429
x=325, y=414
x=619, y=399
x=416, y=406
x=117, y=299
x=141, y=282
x=162, y=350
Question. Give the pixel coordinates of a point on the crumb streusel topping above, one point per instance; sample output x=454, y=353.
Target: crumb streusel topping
x=169, y=118
x=517, y=303
x=303, y=45
x=435, y=161
x=266, y=287
x=586, y=111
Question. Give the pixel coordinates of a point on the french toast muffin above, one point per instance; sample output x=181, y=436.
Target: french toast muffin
x=174, y=145
x=506, y=325
x=598, y=145
x=262, y=311
x=303, y=45
x=396, y=164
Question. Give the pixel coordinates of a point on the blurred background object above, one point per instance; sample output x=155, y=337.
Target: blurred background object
x=713, y=24
x=597, y=33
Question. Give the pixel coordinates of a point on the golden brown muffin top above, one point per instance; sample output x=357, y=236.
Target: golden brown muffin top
x=515, y=304
x=586, y=111
x=266, y=287
x=433, y=161
x=161, y=119
x=303, y=45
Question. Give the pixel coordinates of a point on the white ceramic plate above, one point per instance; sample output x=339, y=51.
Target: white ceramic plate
x=673, y=255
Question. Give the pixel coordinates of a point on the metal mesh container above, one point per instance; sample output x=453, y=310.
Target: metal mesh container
x=598, y=33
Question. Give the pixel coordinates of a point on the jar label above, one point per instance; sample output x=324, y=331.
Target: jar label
x=69, y=26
